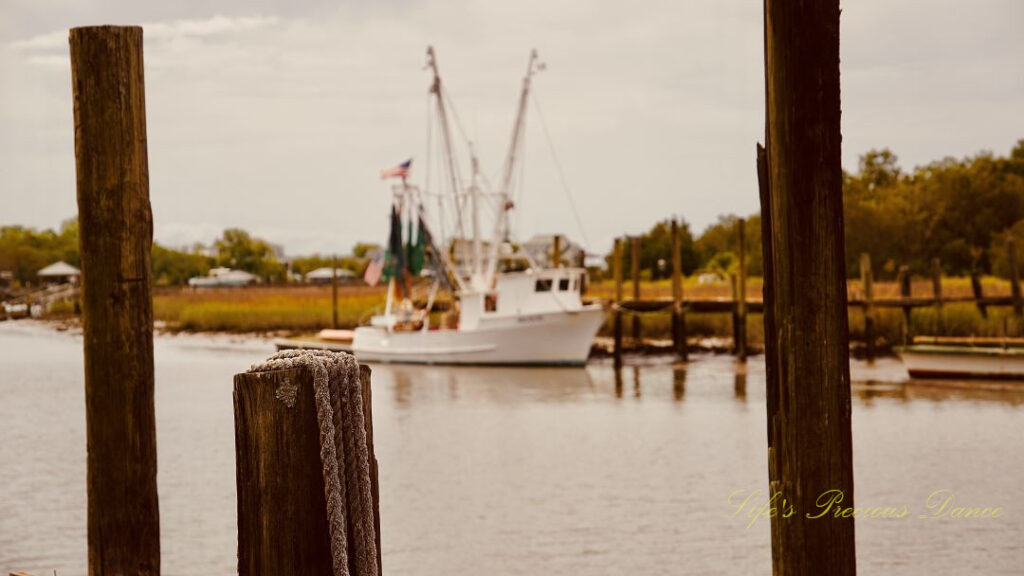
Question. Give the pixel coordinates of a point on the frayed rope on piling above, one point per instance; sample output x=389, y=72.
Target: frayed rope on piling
x=343, y=452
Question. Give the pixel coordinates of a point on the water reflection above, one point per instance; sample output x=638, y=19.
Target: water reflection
x=532, y=470
x=424, y=384
x=678, y=383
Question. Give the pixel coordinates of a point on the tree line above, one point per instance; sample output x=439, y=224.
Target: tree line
x=960, y=211
x=24, y=251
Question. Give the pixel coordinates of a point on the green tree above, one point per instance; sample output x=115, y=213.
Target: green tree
x=236, y=248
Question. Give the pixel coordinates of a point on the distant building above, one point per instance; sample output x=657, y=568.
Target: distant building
x=59, y=273
x=223, y=277
x=323, y=276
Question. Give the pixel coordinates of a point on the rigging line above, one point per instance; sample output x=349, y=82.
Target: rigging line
x=427, y=171
x=561, y=172
x=458, y=121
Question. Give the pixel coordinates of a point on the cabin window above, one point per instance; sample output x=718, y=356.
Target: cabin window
x=563, y=284
x=543, y=285
x=574, y=284
x=490, y=302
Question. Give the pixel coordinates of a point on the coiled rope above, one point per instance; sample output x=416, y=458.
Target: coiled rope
x=343, y=452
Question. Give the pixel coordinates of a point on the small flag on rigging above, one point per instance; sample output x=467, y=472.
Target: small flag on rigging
x=374, y=269
x=400, y=171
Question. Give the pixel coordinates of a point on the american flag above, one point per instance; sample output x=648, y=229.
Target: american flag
x=374, y=269
x=400, y=171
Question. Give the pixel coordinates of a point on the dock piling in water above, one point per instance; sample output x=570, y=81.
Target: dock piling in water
x=634, y=262
x=741, y=294
x=805, y=302
x=617, y=318
x=867, y=280
x=115, y=239
x=679, y=338
x=1011, y=261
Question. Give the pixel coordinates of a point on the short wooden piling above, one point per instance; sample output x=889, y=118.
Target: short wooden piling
x=282, y=510
x=115, y=240
x=869, y=308
x=678, y=313
x=617, y=317
x=810, y=449
x=634, y=262
x=334, y=292
x=1011, y=261
x=741, y=291
x=937, y=293
x=904, y=281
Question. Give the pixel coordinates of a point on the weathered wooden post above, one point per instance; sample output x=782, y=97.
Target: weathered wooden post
x=979, y=293
x=903, y=279
x=617, y=318
x=634, y=262
x=556, y=252
x=678, y=313
x=734, y=292
x=806, y=329
x=115, y=241
x=282, y=508
x=869, y=307
x=334, y=292
x=937, y=293
x=741, y=292
x=1011, y=261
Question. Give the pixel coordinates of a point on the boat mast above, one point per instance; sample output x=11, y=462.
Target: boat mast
x=435, y=89
x=501, y=226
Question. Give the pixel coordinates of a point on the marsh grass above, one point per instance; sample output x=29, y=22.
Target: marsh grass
x=308, y=308
x=299, y=309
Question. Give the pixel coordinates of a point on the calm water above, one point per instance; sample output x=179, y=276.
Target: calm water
x=530, y=471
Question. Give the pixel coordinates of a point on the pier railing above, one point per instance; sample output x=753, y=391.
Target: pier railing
x=861, y=297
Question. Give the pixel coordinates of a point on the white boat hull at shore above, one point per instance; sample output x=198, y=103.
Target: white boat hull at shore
x=932, y=361
x=540, y=339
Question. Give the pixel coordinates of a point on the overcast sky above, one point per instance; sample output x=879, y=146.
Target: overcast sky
x=278, y=117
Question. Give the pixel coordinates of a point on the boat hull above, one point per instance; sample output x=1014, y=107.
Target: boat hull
x=963, y=362
x=562, y=338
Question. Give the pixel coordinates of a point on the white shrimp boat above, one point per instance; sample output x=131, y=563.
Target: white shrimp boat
x=981, y=358
x=507, y=309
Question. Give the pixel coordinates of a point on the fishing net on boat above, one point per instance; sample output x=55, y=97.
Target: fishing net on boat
x=343, y=452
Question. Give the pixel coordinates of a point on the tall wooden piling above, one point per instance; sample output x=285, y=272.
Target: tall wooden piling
x=282, y=510
x=617, y=317
x=937, y=293
x=115, y=241
x=806, y=339
x=903, y=279
x=634, y=262
x=678, y=313
x=979, y=293
x=867, y=279
x=741, y=294
x=334, y=292
x=1011, y=261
